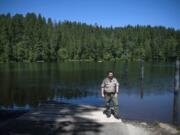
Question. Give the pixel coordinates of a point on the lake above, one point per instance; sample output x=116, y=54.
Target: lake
x=149, y=96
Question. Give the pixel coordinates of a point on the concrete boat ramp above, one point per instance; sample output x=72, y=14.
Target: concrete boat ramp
x=61, y=118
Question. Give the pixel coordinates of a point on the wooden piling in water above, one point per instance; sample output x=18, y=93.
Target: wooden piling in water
x=177, y=76
x=176, y=94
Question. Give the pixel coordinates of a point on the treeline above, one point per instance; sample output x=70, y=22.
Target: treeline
x=32, y=38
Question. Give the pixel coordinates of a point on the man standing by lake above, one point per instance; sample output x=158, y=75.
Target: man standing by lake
x=109, y=91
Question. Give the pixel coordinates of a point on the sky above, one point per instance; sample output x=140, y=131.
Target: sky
x=116, y=13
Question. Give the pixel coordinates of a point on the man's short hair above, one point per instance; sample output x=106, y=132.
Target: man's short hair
x=110, y=71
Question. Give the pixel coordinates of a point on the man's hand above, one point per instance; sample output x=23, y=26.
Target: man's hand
x=116, y=94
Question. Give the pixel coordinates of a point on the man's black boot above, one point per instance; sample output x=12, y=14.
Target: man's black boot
x=117, y=115
x=108, y=114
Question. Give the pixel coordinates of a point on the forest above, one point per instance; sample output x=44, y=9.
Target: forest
x=34, y=38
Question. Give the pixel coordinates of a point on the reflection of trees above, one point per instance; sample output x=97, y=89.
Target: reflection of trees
x=125, y=74
x=70, y=93
x=24, y=95
x=24, y=84
x=141, y=78
x=33, y=83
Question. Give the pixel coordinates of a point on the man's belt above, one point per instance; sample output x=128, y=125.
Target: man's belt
x=109, y=92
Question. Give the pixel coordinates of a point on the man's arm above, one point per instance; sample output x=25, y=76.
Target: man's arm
x=102, y=88
x=117, y=87
x=102, y=91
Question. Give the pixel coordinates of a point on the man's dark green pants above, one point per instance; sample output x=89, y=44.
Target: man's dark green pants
x=110, y=97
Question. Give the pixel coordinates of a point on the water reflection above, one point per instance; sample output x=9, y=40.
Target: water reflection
x=176, y=94
x=175, y=108
x=74, y=82
x=141, y=78
x=125, y=74
x=15, y=107
x=70, y=92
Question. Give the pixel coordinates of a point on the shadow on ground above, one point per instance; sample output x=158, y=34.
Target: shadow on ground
x=53, y=118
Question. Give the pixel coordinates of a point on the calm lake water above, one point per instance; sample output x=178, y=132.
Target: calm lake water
x=147, y=97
